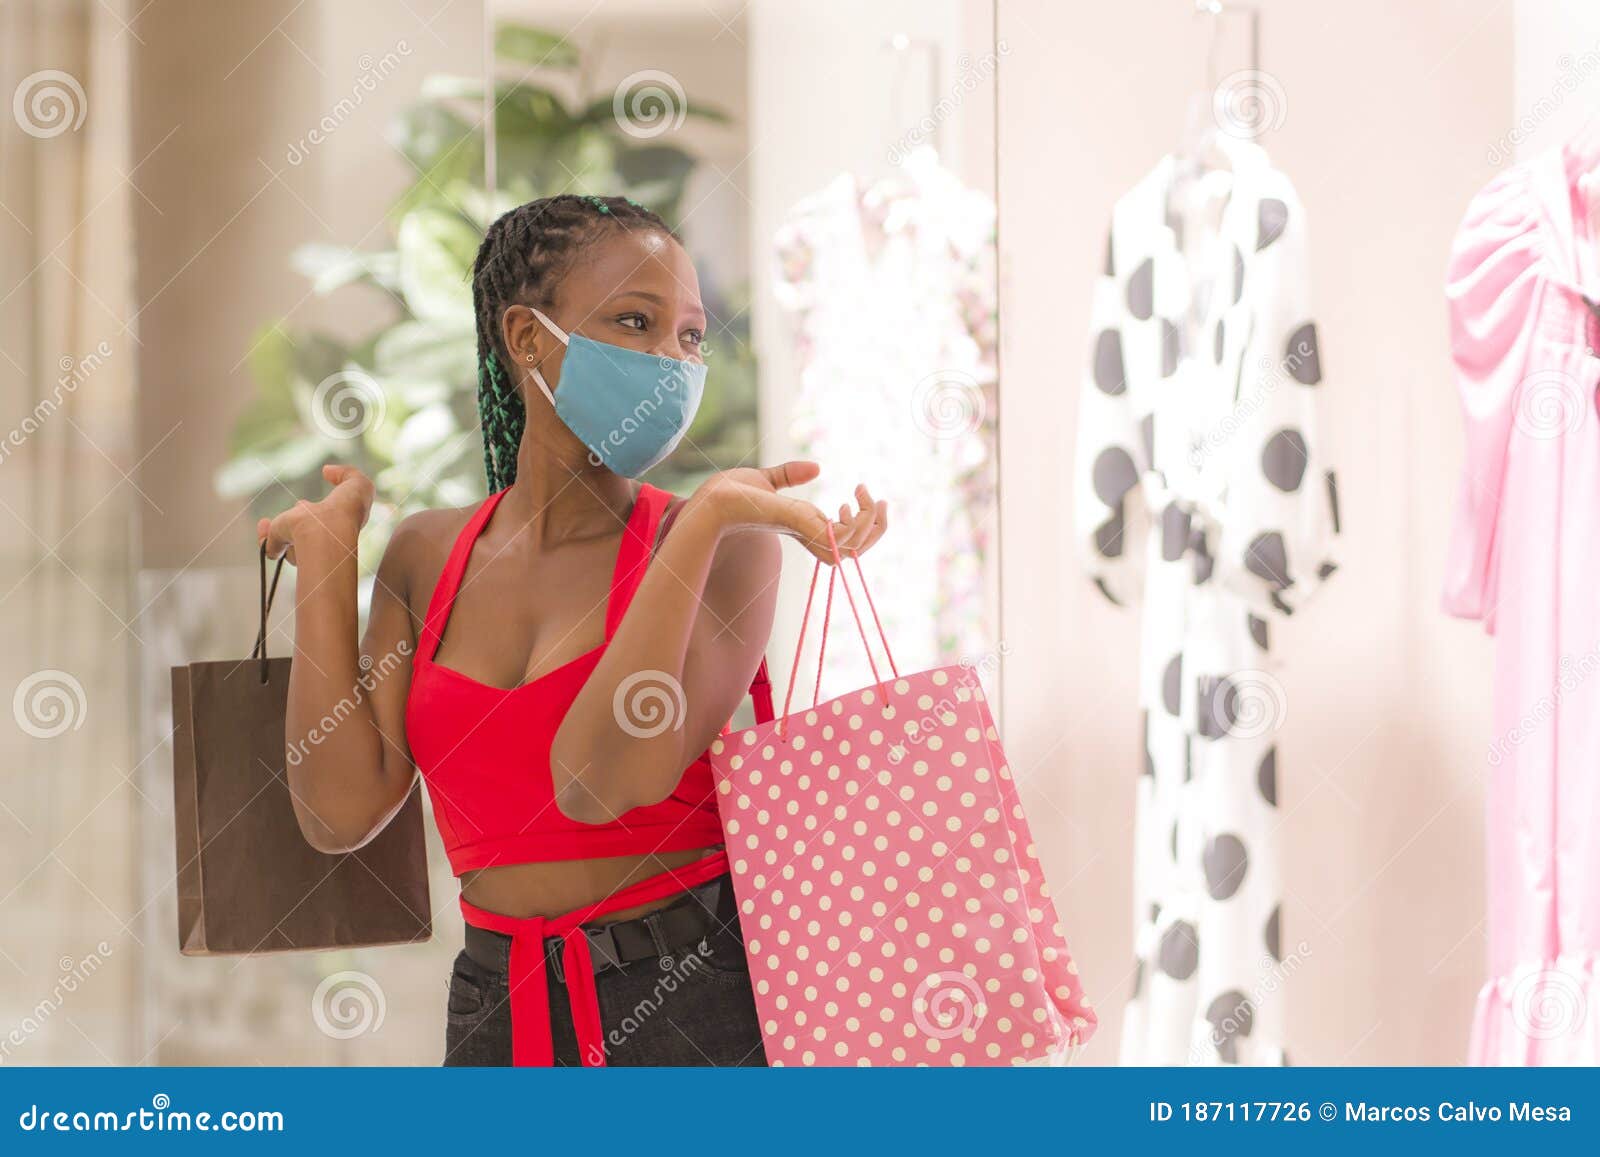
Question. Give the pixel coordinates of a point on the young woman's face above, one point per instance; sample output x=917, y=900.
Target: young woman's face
x=638, y=290
x=635, y=289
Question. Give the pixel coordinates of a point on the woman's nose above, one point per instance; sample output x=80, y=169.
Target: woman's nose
x=675, y=348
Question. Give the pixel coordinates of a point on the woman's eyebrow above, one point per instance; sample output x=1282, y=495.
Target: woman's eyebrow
x=656, y=299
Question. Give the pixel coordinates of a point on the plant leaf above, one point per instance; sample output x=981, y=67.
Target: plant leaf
x=267, y=466
x=424, y=133
x=331, y=266
x=436, y=254
x=535, y=46
x=444, y=86
x=428, y=350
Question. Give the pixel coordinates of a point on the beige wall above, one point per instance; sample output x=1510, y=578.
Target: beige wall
x=1391, y=111
x=1557, y=52
x=221, y=93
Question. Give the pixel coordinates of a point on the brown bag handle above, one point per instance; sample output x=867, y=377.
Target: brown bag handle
x=267, y=593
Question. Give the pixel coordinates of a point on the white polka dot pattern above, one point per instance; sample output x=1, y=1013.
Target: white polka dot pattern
x=893, y=908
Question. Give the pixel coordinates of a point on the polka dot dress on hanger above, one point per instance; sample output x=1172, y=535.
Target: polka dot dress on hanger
x=1198, y=424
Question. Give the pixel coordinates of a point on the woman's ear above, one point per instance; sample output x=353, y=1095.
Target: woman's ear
x=532, y=346
x=524, y=338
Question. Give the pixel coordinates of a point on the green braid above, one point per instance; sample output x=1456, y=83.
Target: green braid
x=504, y=417
x=524, y=255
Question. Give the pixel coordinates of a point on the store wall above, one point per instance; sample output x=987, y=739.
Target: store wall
x=1389, y=115
x=1557, y=54
x=223, y=96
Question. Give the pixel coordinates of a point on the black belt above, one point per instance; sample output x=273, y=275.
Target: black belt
x=656, y=935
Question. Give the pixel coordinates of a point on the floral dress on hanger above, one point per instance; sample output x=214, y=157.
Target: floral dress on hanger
x=892, y=287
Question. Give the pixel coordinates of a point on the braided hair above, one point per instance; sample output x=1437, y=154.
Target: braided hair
x=524, y=256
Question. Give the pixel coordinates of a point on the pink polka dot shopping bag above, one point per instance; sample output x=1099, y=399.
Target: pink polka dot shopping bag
x=893, y=907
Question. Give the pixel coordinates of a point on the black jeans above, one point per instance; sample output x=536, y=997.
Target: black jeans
x=695, y=1007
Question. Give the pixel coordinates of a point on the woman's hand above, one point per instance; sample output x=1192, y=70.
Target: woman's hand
x=750, y=498
x=340, y=516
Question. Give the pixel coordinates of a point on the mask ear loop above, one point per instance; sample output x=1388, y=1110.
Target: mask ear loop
x=561, y=336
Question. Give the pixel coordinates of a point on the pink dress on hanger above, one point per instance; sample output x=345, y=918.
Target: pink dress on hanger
x=1525, y=558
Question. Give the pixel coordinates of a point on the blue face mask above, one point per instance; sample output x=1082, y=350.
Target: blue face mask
x=630, y=408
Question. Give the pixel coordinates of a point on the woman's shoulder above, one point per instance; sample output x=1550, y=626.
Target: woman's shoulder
x=421, y=543
x=431, y=530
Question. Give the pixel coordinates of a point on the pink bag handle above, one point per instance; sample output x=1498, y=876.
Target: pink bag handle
x=837, y=571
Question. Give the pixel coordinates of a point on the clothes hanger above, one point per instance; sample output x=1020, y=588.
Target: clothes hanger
x=902, y=45
x=1199, y=149
x=1204, y=148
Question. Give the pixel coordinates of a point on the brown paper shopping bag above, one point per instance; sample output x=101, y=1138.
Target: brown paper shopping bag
x=248, y=881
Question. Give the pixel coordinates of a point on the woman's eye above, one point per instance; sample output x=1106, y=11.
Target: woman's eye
x=633, y=320
x=694, y=337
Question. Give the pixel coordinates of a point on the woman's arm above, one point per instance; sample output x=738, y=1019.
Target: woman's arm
x=691, y=640
x=348, y=765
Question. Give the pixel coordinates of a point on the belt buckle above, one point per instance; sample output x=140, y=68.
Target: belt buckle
x=603, y=952
x=603, y=948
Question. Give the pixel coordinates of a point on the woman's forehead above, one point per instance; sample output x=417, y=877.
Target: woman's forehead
x=640, y=259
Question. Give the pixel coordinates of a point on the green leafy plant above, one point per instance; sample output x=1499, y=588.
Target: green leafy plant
x=400, y=402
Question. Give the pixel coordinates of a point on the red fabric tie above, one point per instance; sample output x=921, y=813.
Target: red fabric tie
x=531, y=1043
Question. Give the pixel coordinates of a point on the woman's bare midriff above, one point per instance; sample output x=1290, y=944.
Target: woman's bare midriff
x=559, y=887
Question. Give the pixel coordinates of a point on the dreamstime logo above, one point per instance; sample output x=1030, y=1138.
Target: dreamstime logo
x=1300, y=360
x=74, y=974
x=48, y=103
x=49, y=703
x=1547, y=1004
x=348, y=1004
x=672, y=380
x=947, y=1004
x=1248, y=103
x=347, y=404
x=948, y=404
x=971, y=76
x=937, y=715
x=1575, y=671
x=372, y=71
x=648, y=704
x=1249, y=704
x=1232, y=1014
x=1573, y=73
x=372, y=674
x=675, y=971
x=649, y=103
x=985, y=665
x=1551, y=405
x=74, y=372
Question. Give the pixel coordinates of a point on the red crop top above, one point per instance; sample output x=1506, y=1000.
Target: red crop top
x=484, y=752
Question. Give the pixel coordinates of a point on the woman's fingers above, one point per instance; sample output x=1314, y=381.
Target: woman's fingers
x=855, y=530
x=861, y=524
x=881, y=522
x=337, y=474
x=278, y=533
x=796, y=473
x=850, y=533
x=350, y=486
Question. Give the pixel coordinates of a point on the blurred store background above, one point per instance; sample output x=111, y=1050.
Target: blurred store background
x=234, y=240
x=232, y=247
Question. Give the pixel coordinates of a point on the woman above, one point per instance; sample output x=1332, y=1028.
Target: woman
x=555, y=662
